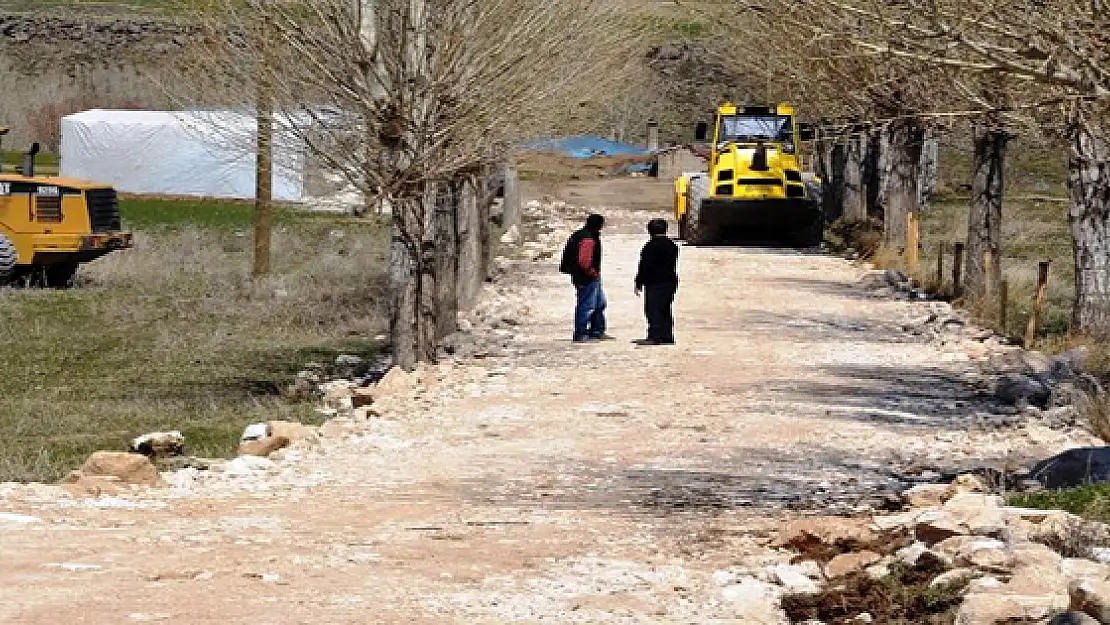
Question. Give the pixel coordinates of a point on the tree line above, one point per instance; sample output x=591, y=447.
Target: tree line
x=415, y=103
x=887, y=77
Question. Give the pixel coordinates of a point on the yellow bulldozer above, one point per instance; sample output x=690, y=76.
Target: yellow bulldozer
x=50, y=225
x=754, y=180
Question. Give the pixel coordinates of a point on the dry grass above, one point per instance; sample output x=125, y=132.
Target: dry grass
x=175, y=335
x=1033, y=229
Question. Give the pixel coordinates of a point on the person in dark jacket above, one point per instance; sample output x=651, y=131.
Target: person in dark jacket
x=582, y=260
x=657, y=278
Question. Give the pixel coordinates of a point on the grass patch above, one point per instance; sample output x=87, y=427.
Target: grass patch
x=174, y=334
x=1090, y=502
x=1033, y=229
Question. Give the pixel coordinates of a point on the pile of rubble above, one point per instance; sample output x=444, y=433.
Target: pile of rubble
x=1002, y=564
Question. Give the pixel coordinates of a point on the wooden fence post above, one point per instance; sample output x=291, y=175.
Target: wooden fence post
x=1003, y=304
x=988, y=274
x=957, y=268
x=940, y=266
x=1038, y=304
x=913, y=241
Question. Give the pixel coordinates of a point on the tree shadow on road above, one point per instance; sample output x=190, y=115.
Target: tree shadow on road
x=903, y=396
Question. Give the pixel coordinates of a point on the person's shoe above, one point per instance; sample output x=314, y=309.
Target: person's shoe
x=645, y=342
x=584, y=339
x=604, y=337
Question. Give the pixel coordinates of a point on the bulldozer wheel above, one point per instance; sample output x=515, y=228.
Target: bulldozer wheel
x=814, y=233
x=59, y=276
x=7, y=259
x=697, y=232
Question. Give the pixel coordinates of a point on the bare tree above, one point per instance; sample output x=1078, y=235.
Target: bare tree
x=1054, y=56
x=406, y=97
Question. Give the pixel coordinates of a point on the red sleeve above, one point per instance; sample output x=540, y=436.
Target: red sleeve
x=586, y=257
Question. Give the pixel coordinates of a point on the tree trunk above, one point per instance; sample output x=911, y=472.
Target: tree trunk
x=447, y=256
x=1089, y=216
x=929, y=169
x=404, y=280
x=903, y=163
x=510, y=210
x=875, y=168
x=485, y=201
x=984, y=225
x=855, y=158
x=831, y=169
x=468, y=228
x=427, y=335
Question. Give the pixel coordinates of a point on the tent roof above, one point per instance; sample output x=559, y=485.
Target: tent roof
x=159, y=118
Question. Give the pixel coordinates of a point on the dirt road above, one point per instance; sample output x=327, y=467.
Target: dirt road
x=553, y=482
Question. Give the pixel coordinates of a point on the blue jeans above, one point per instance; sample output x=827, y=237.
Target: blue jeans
x=589, y=311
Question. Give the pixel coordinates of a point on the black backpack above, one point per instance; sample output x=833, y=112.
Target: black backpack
x=569, y=262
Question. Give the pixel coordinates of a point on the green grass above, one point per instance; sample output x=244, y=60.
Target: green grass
x=1092, y=502
x=175, y=335
x=173, y=214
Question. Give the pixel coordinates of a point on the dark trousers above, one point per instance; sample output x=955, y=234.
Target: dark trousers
x=658, y=299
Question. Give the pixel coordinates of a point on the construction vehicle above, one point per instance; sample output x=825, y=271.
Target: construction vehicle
x=754, y=182
x=50, y=225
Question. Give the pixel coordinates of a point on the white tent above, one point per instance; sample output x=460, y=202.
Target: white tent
x=194, y=153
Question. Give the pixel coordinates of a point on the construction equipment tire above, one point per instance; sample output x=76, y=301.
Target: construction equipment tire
x=814, y=232
x=7, y=259
x=59, y=276
x=697, y=231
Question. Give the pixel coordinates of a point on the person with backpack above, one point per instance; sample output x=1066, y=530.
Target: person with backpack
x=582, y=261
x=657, y=277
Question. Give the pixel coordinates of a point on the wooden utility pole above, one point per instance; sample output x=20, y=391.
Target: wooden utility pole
x=263, y=197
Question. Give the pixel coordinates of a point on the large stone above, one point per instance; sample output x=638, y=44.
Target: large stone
x=756, y=602
x=828, y=531
x=1074, y=467
x=79, y=485
x=159, y=444
x=847, y=563
x=1091, y=597
x=1028, y=554
x=1081, y=568
x=397, y=381
x=1071, y=534
x=263, y=447
x=1018, y=389
x=292, y=430
x=918, y=554
x=1032, y=594
x=127, y=468
x=793, y=579
x=936, y=526
x=927, y=495
x=955, y=577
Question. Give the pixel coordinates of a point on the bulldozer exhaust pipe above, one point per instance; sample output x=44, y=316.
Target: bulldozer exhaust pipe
x=759, y=158
x=29, y=160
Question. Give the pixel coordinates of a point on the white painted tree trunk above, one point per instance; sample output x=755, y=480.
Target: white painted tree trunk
x=1089, y=216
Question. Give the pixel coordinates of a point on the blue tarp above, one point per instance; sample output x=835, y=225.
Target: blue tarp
x=586, y=146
